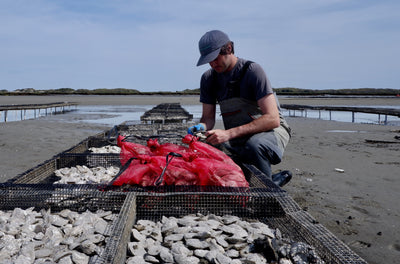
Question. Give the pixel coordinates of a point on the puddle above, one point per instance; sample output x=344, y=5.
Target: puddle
x=345, y=131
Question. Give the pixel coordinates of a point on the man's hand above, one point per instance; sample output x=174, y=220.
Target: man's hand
x=217, y=136
x=197, y=128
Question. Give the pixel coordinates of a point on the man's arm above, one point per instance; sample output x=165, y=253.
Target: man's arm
x=268, y=121
x=208, y=116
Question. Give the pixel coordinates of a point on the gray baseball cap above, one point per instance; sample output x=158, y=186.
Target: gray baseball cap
x=210, y=45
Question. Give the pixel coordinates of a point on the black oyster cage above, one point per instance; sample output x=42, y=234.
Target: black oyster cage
x=277, y=210
x=44, y=173
x=77, y=199
x=138, y=133
x=263, y=200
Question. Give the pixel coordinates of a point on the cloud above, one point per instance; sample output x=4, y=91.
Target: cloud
x=151, y=45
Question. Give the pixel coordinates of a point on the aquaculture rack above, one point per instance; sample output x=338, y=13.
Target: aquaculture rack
x=263, y=201
x=166, y=113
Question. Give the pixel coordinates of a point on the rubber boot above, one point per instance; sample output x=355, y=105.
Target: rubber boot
x=282, y=178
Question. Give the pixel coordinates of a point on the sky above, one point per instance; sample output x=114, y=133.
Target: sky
x=152, y=45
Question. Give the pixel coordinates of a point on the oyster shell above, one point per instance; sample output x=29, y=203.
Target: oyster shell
x=28, y=236
x=213, y=239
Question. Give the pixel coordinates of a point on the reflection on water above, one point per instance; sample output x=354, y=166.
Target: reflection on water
x=112, y=115
x=116, y=114
x=122, y=113
x=346, y=116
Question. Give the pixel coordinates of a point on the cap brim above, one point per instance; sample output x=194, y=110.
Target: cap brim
x=209, y=57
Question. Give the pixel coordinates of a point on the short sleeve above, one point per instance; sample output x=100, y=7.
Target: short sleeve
x=207, y=91
x=256, y=82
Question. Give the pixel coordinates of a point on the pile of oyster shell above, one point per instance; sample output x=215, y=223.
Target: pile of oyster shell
x=106, y=149
x=213, y=239
x=85, y=175
x=82, y=174
x=29, y=236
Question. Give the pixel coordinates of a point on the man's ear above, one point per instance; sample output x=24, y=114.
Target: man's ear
x=229, y=49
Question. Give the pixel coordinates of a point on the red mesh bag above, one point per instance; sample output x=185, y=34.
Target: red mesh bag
x=131, y=150
x=171, y=164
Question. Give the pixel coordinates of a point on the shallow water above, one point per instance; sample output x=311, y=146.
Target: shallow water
x=116, y=114
x=347, y=116
x=111, y=115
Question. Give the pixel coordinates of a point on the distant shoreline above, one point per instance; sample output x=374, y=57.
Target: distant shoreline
x=188, y=100
x=280, y=91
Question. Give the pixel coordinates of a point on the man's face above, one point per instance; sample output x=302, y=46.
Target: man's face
x=220, y=64
x=223, y=63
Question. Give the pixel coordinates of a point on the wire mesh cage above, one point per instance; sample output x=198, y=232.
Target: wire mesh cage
x=277, y=210
x=98, y=140
x=156, y=205
x=137, y=133
x=166, y=113
x=45, y=173
x=301, y=226
x=77, y=197
x=74, y=203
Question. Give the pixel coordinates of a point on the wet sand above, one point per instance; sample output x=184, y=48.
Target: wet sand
x=358, y=203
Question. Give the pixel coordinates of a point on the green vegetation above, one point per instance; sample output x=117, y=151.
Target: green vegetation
x=359, y=91
x=99, y=91
x=279, y=91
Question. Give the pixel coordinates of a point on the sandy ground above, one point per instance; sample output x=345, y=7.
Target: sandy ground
x=359, y=205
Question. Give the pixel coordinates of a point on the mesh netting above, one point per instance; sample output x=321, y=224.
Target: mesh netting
x=45, y=172
x=300, y=226
x=274, y=209
x=57, y=198
x=78, y=199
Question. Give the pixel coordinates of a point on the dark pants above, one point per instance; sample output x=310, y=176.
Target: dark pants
x=260, y=150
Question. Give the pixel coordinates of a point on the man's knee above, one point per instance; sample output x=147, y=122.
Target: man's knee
x=262, y=148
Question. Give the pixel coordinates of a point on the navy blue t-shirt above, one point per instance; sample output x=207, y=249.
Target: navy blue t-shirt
x=254, y=85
